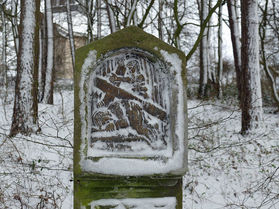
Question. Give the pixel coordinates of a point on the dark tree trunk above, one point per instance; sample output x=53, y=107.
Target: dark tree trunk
x=42, y=57
x=71, y=33
x=160, y=20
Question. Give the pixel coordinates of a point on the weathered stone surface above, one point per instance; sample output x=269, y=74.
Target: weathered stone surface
x=130, y=102
x=93, y=191
x=130, y=121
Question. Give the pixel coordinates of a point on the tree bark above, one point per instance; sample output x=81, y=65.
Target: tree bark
x=25, y=112
x=266, y=68
x=160, y=20
x=111, y=18
x=203, y=86
x=42, y=57
x=4, y=51
x=132, y=11
x=220, y=52
x=71, y=33
x=14, y=24
x=99, y=19
x=235, y=37
x=89, y=8
x=251, y=99
x=49, y=75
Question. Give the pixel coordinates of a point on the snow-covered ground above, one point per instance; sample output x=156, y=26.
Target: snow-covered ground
x=226, y=170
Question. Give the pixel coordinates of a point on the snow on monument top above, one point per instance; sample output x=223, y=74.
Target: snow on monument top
x=130, y=107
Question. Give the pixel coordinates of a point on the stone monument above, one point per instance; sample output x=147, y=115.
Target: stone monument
x=130, y=128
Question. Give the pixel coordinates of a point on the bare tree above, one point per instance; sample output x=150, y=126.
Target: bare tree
x=132, y=12
x=235, y=37
x=42, y=57
x=112, y=21
x=220, y=51
x=3, y=66
x=15, y=24
x=251, y=99
x=160, y=20
x=204, y=59
x=25, y=112
x=49, y=74
x=71, y=33
x=264, y=62
x=99, y=19
x=90, y=20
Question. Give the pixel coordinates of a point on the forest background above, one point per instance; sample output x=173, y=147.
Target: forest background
x=233, y=100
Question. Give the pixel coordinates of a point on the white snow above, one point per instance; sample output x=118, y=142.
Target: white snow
x=36, y=170
x=137, y=203
x=226, y=170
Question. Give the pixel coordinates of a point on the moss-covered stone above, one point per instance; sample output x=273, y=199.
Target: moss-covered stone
x=129, y=37
x=89, y=187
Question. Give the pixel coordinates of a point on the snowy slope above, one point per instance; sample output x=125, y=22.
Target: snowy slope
x=226, y=170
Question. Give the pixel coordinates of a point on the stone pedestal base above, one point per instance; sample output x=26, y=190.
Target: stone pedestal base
x=128, y=192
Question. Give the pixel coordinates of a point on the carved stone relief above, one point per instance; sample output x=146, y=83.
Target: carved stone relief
x=130, y=103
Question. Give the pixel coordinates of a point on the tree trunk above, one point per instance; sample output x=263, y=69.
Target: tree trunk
x=89, y=7
x=132, y=12
x=235, y=37
x=160, y=20
x=251, y=99
x=71, y=33
x=25, y=112
x=14, y=24
x=262, y=33
x=4, y=51
x=99, y=19
x=111, y=18
x=220, y=52
x=203, y=88
x=49, y=75
x=42, y=57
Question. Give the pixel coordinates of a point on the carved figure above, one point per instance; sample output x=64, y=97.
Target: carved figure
x=117, y=108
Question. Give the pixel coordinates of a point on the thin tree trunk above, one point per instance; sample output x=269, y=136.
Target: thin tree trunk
x=135, y=17
x=132, y=12
x=262, y=33
x=48, y=90
x=71, y=33
x=4, y=51
x=203, y=54
x=202, y=29
x=210, y=53
x=111, y=18
x=160, y=20
x=252, y=95
x=89, y=21
x=236, y=44
x=40, y=65
x=25, y=112
x=220, y=52
x=42, y=57
x=14, y=24
x=99, y=19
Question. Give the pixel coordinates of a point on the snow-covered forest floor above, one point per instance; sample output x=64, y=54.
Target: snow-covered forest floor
x=226, y=170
